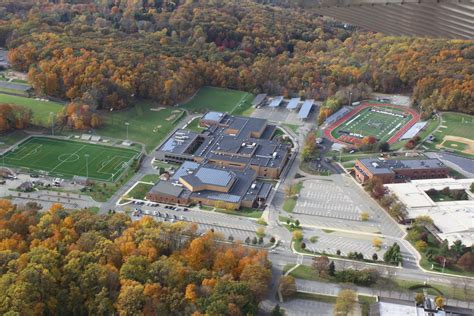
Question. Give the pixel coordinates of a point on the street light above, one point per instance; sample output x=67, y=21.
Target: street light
x=127, y=124
x=350, y=98
x=87, y=165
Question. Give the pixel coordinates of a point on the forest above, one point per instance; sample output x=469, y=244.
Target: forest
x=105, y=54
x=13, y=117
x=75, y=263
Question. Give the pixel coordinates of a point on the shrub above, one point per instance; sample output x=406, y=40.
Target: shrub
x=297, y=235
x=365, y=277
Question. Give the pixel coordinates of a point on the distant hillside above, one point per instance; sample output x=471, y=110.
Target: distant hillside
x=108, y=53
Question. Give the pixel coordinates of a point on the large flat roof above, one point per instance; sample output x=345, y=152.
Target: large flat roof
x=455, y=219
x=380, y=166
x=305, y=109
x=293, y=104
x=179, y=142
x=259, y=99
x=276, y=102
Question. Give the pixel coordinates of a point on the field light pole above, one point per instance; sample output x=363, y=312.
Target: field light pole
x=87, y=165
x=51, y=116
x=127, y=124
x=350, y=98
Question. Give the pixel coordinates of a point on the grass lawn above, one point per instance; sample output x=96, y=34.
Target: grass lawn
x=365, y=302
x=151, y=178
x=457, y=124
x=316, y=297
x=11, y=138
x=41, y=110
x=194, y=126
x=304, y=272
x=290, y=203
x=93, y=209
x=148, y=125
x=219, y=99
x=293, y=127
x=253, y=213
x=455, y=145
x=139, y=191
x=13, y=91
x=66, y=158
x=452, y=124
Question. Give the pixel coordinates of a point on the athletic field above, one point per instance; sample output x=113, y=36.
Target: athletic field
x=387, y=123
x=219, y=99
x=66, y=158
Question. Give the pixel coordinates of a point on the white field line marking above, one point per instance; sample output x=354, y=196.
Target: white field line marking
x=66, y=159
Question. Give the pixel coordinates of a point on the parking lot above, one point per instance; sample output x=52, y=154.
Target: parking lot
x=337, y=202
x=239, y=228
x=327, y=199
x=332, y=242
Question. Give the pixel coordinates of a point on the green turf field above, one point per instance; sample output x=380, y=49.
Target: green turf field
x=41, y=109
x=371, y=123
x=219, y=99
x=457, y=124
x=66, y=158
x=147, y=125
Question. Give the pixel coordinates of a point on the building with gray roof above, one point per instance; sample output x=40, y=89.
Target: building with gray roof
x=276, y=101
x=259, y=99
x=229, y=141
x=394, y=170
x=305, y=109
x=293, y=104
x=206, y=184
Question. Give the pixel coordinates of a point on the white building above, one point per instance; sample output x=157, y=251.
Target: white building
x=454, y=219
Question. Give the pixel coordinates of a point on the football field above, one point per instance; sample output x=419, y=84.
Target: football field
x=67, y=158
x=385, y=123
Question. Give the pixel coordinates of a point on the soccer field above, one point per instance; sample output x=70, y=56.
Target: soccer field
x=382, y=122
x=219, y=99
x=66, y=159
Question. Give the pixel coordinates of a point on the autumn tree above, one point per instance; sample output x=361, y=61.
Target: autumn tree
x=345, y=302
x=287, y=286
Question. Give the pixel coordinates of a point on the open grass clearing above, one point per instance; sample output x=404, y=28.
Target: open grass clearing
x=148, y=123
x=247, y=212
x=139, y=191
x=219, y=99
x=152, y=178
x=194, y=126
x=41, y=109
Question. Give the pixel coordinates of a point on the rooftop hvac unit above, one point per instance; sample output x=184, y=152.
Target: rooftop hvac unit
x=253, y=186
x=243, y=144
x=274, y=155
x=375, y=165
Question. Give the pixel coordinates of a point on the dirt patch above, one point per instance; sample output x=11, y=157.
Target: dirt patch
x=156, y=129
x=171, y=117
x=469, y=142
x=157, y=109
x=176, y=111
